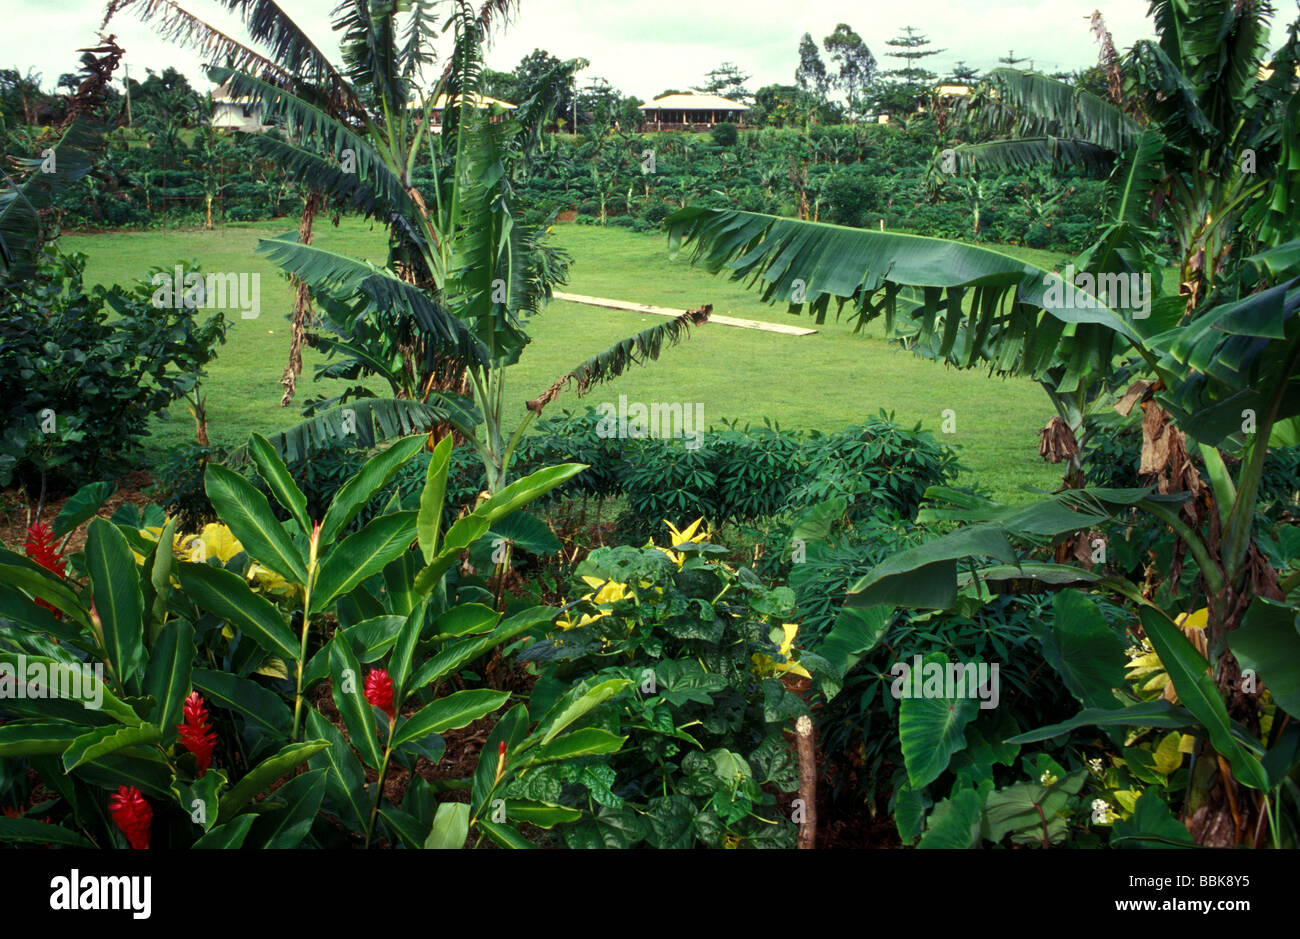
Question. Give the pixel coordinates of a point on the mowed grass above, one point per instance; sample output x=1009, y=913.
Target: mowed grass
x=826, y=381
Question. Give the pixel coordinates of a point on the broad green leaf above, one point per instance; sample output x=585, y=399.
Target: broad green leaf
x=541, y=814
x=34, y=738
x=523, y=491
x=1086, y=651
x=1190, y=674
x=248, y=515
x=571, y=710
x=458, y=653
x=467, y=618
x=431, y=499
x=245, y=697
x=228, y=596
x=79, y=684
x=1268, y=641
x=1159, y=714
x=1151, y=825
x=36, y=581
x=287, y=826
x=460, y=536
x=403, y=658
x=585, y=742
x=156, y=586
x=265, y=773
x=354, y=494
x=1028, y=807
x=954, y=823
x=105, y=740
x=345, y=780
x=450, y=826
x=277, y=478
x=32, y=831
x=115, y=587
x=201, y=799
x=931, y=729
x=228, y=836
x=84, y=503
x=350, y=697
x=361, y=555
x=449, y=713
x=18, y=609
x=503, y=836
x=167, y=677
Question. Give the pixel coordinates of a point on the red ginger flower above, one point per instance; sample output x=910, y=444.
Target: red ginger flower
x=40, y=547
x=196, y=733
x=379, y=691
x=132, y=814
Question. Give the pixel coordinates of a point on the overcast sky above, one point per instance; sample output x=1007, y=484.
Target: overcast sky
x=642, y=46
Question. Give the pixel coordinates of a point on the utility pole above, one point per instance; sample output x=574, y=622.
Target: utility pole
x=127, y=83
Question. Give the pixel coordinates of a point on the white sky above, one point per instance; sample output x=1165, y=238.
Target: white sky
x=642, y=46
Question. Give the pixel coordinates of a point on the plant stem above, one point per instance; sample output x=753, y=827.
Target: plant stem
x=306, y=627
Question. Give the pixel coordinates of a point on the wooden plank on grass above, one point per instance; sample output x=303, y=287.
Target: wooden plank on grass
x=664, y=311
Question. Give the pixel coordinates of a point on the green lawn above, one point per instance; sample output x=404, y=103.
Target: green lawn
x=827, y=380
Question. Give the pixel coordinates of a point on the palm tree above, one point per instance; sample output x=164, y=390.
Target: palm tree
x=445, y=316
x=1228, y=347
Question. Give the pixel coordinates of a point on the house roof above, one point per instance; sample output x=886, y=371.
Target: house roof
x=223, y=96
x=478, y=101
x=694, y=103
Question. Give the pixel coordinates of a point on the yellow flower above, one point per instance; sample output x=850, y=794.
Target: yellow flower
x=692, y=535
x=606, y=591
x=268, y=581
x=765, y=665
x=215, y=541
x=568, y=623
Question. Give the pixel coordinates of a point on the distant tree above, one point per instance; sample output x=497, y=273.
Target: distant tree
x=811, y=75
x=1011, y=60
x=728, y=81
x=504, y=86
x=778, y=106
x=857, y=66
x=534, y=69
x=670, y=91
x=963, y=74
x=912, y=81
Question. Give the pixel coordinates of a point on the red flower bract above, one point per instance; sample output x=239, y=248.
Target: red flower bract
x=40, y=547
x=132, y=814
x=196, y=733
x=379, y=691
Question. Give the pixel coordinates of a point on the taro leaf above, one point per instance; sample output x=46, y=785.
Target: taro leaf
x=1086, y=651
x=1151, y=825
x=932, y=729
x=83, y=504
x=1028, y=807
x=954, y=823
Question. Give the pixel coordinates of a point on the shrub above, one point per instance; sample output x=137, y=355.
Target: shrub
x=83, y=372
x=726, y=134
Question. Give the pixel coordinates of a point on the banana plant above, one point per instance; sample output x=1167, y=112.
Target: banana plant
x=445, y=316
